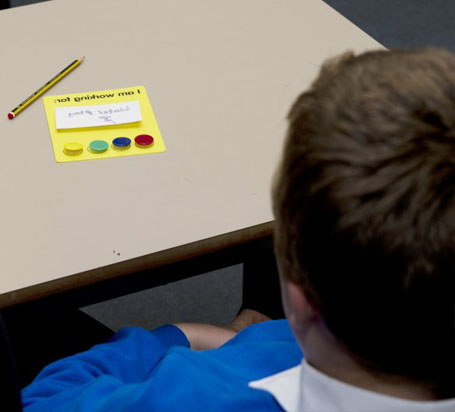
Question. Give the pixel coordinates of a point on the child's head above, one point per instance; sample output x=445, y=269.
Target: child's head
x=364, y=202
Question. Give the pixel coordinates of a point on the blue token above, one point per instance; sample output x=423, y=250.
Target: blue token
x=121, y=142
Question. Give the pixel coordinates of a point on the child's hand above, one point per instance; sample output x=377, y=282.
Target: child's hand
x=247, y=317
x=202, y=336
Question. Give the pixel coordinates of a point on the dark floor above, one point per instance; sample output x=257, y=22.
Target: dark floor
x=403, y=23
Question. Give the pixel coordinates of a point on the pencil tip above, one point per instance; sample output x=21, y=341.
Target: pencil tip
x=82, y=58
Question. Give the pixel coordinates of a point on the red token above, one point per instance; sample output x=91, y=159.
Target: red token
x=143, y=140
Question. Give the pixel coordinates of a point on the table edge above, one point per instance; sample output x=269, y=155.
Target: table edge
x=135, y=265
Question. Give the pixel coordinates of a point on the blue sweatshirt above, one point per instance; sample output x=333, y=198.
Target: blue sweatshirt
x=140, y=370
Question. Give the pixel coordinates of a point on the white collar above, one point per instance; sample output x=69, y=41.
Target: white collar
x=303, y=388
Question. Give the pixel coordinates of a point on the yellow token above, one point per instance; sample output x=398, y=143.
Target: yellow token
x=73, y=149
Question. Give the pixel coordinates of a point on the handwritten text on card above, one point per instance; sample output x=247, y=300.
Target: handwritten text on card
x=72, y=117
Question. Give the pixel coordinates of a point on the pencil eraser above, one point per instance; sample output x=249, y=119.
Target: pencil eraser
x=10, y=115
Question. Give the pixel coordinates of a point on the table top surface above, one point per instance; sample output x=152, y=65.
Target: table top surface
x=221, y=76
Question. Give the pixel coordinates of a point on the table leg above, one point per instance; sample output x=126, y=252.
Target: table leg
x=261, y=287
x=9, y=382
x=41, y=336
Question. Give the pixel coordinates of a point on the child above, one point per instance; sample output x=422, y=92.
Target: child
x=364, y=201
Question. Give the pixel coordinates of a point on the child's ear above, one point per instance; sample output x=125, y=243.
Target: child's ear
x=298, y=308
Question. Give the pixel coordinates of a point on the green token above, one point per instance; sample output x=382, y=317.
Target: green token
x=98, y=146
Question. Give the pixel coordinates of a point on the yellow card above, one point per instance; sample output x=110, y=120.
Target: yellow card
x=107, y=123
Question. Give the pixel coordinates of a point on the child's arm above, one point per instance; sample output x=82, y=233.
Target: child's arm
x=106, y=372
x=117, y=374
x=203, y=336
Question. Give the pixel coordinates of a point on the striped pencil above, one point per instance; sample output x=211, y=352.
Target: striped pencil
x=13, y=113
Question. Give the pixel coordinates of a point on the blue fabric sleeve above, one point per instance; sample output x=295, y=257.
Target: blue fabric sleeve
x=127, y=358
x=140, y=370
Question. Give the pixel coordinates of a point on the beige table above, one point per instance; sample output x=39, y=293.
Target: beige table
x=221, y=76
